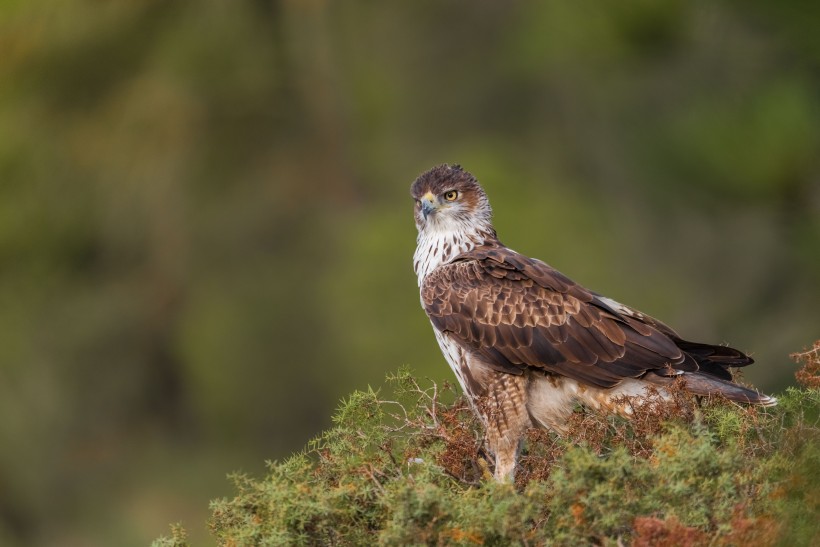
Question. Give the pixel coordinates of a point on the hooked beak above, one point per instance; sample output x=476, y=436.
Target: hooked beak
x=428, y=204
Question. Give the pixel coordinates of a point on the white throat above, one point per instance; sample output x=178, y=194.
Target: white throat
x=437, y=245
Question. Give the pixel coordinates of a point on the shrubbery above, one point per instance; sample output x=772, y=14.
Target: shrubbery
x=411, y=470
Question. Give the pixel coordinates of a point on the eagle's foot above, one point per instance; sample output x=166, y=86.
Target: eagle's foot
x=505, y=466
x=485, y=469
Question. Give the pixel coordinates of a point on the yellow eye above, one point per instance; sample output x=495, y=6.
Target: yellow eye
x=451, y=195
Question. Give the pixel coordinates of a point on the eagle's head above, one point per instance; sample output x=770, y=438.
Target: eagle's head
x=449, y=199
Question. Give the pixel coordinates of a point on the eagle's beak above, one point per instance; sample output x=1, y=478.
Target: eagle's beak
x=428, y=204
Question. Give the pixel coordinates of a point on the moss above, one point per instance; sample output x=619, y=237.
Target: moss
x=411, y=470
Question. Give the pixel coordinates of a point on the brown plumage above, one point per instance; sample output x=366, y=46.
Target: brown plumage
x=527, y=343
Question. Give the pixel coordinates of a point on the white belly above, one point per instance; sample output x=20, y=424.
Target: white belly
x=551, y=399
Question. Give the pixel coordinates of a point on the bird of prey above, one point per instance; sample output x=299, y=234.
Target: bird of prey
x=527, y=343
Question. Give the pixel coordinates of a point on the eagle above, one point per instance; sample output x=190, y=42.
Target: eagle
x=526, y=343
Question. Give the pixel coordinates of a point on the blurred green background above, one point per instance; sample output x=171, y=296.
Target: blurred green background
x=206, y=232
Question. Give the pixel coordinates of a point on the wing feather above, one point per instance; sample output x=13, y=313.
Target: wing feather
x=519, y=313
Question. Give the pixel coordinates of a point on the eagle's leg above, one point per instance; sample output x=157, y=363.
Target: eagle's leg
x=504, y=411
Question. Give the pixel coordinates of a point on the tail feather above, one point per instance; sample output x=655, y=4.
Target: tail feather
x=714, y=360
x=700, y=383
x=722, y=355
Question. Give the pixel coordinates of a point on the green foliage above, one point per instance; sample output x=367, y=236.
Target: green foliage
x=411, y=471
x=178, y=538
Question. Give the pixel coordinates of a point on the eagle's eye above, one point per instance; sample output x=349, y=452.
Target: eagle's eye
x=452, y=195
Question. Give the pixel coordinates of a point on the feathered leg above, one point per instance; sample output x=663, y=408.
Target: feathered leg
x=504, y=411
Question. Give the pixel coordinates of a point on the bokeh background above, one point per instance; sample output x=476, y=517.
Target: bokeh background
x=206, y=232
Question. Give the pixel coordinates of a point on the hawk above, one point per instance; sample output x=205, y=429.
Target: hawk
x=527, y=343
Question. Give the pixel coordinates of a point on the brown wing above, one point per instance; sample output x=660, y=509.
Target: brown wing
x=517, y=312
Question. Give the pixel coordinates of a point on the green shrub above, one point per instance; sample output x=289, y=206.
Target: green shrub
x=412, y=471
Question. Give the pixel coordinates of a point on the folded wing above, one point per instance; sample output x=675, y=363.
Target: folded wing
x=518, y=313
